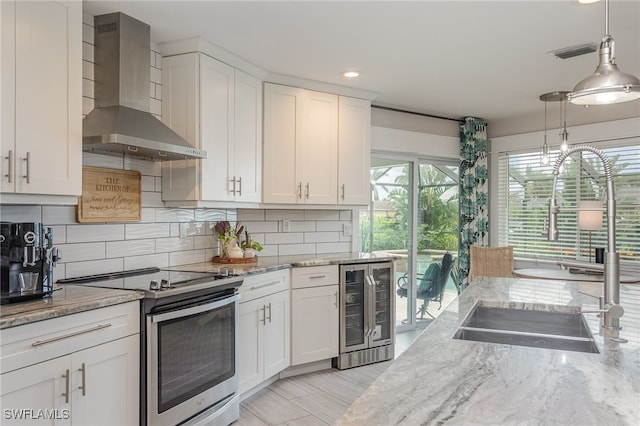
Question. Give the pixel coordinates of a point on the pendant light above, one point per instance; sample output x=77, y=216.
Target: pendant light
x=558, y=96
x=607, y=85
x=544, y=159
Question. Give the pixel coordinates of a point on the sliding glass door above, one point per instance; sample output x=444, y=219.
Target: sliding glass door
x=413, y=213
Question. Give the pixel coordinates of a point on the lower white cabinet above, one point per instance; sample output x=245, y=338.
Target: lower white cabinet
x=314, y=324
x=264, y=346
x=314, y=314
x=96, y=385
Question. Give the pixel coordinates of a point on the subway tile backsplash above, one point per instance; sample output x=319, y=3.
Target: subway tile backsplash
x=167, y=237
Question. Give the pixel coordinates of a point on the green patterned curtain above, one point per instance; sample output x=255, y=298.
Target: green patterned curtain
x=474, y=191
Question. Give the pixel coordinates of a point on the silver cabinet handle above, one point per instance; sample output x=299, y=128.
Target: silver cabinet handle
x=299, y=190
x=66, y=387
x=269, y=312
x=240, y=186
x=336, y=302
x=66, y=336
x=83, y=370
x=233, y=180
x=342, y=190
x=9, y=157
x=306, y=191
x=313, y=277
x=27, y=176
x=254, y=287
x=264, y=315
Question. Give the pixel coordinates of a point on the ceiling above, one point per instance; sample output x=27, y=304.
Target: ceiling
x=487, y=59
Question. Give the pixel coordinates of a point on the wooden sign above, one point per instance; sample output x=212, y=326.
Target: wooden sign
x=109, y=195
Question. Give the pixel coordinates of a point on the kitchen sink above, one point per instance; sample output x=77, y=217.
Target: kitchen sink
x=527, y=327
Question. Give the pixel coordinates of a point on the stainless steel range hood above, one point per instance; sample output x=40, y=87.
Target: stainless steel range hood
x=121, y=121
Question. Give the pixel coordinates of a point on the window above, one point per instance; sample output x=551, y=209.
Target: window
x=524, y=189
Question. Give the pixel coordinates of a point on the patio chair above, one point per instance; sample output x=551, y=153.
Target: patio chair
x=431, y=284
x=490, y=262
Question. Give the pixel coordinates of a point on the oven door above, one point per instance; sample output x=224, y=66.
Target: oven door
x=192, y=359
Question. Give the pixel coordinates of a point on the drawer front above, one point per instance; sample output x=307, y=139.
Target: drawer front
x=314, y=276
x=39, y=341
x=260, y=285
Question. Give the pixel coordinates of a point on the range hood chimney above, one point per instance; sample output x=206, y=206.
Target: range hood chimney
x=121, y=122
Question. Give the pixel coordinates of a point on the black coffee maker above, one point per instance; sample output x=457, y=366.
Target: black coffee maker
x=28, y=258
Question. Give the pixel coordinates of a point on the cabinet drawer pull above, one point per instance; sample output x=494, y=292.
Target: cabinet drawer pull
x=314, y=277
x=306, y=191
x=342, y=195
x=233, y=181
x=269, y=306
x=300, y=190
x=9, y=158
x=239, y=186
x=255, y=287
x=83, y=370
x=66, y=336
x=66, y=387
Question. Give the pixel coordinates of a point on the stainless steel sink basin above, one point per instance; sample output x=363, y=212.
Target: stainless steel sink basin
x=526, y=327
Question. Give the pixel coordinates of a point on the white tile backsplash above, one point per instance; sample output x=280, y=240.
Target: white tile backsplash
x=160, y=260
x=78, y=269
x=11, y=213
x=91, y=233
x=81, y=252
x=138, y=231
x=130, y=248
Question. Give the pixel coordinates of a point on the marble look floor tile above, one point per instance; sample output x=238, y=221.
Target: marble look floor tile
x=293, y=387
x=332, y=382
x=247, y=418
x=326, y=407
x=272, y=408
x=307, y=421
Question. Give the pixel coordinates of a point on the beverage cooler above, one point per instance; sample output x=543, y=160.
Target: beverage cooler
x=367, y=310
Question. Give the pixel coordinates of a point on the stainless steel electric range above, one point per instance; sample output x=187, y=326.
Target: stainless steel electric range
x=189, y=335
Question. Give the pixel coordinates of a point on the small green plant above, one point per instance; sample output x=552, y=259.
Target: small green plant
x=248, y=243
x=226, y=232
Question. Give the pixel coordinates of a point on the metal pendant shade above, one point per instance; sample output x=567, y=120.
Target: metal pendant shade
x=607, y=85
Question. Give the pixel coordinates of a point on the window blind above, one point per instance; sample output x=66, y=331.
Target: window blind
x=524, y=189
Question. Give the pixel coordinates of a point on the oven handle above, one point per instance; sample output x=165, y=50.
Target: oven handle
x=194, y=309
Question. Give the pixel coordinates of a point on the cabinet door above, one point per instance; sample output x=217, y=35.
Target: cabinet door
x=247, y=149
x=7, y=96
x=181, y=112
x=217, y=128
x=382, y=304
x=282, y=107
x=354, y=151
x=250, y=346
x=105, y=385
x=40, y=386
x=48, y=99
x=314, y=324
x=317, y=155
x=277, y=337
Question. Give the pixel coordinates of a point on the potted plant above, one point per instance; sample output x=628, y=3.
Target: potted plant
x=228, y=236
x=250, y=246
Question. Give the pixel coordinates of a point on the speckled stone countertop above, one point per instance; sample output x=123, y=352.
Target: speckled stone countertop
x=77, y=298
x=70, y=299
x=272, y=263
x=440, y=380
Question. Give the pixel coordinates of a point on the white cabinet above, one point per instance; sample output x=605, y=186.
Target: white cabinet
x=218, y=109
x=354, y=151
x=87, y=369
x=41, y=95
x=314, y=314
x=316, y=147
x=264, y=346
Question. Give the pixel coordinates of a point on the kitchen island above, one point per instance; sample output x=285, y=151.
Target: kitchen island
x=441, y=380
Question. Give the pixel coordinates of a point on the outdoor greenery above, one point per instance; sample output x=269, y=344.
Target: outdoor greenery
x=437, y=207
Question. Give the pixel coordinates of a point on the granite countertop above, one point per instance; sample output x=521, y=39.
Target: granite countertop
x=440, y=380
x=70, y=299
x=272, y=263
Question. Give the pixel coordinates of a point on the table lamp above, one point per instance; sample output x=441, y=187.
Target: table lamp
x=590, y=218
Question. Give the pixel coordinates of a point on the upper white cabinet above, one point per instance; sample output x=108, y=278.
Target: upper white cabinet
x=316, y=147
x=218, y=109
x=41, y=95
x=354, y=150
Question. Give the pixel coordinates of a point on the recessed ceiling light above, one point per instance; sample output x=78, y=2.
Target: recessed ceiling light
x=351, y=74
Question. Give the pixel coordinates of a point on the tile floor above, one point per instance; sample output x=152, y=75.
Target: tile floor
x=318, y=398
